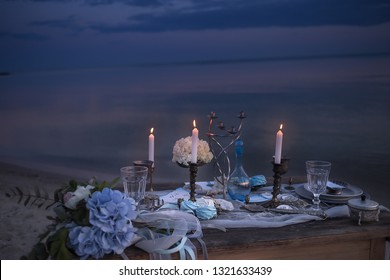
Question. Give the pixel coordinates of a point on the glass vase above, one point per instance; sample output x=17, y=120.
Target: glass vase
x=238, y=184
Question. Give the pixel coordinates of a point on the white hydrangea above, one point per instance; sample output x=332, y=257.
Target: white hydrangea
x=182, y=151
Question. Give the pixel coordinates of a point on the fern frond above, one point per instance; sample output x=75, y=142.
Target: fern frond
x=38, y=198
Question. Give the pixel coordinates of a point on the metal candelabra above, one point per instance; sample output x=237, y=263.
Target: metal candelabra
x=222, y=166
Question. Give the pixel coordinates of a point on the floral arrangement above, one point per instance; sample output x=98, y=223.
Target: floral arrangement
x=91, y=221
x=95, y=220
x=182, y=151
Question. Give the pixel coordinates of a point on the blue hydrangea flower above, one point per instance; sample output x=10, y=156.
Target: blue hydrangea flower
x=116, y=242
x=83, y=240
x=110, y=214
x=111, y=211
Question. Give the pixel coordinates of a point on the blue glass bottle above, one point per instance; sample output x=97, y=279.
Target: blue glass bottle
x=238, y=184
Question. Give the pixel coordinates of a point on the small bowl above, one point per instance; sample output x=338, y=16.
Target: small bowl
x=363, y=210
x=335, y=191
x=335, y=187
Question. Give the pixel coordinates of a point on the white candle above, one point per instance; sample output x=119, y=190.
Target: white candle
x=194, y=147
x=151, y=145
x=278, y=146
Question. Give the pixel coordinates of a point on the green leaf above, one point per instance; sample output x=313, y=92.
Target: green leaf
x=38, y=252
x=73, y=184
x=58, y=195
x=37, y=192
x=20, y=194
x=36, y=198
x=115, y=181
x=57, y=245
x=27, y=200
x=50, y=205
x=81, y=216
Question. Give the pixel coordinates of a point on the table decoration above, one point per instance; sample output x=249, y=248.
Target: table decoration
x=238, y=185
x=134, y=182
x=348, y=192
x=317, y=179
x=257, y=181
x=182, y=155
x=219, y=147
x=205, y=207
x=278, y=145
x=284, y=210
x=335, y=187
x=202, y=208
x=279, y=169
x=151, y=145
x=363, y=209
x=96, y=220
x=194, y=144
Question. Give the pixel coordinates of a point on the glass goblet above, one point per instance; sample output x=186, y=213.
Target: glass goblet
x=317, y=178
x=134, y=182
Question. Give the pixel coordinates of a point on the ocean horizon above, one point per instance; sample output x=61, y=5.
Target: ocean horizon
x=94, y=121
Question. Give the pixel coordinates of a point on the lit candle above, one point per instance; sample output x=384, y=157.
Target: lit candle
x=194, y=147
x=151, y=145
x=278, y=146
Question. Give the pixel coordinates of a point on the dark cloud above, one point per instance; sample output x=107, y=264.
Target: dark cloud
x=252, y=14
x=31, y=36
x=69, y=22
x=140, y=3
x=63, y=23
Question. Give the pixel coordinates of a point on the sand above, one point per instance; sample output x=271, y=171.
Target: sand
x=21, y=225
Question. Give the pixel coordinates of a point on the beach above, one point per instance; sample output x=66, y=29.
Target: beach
x=21, y=225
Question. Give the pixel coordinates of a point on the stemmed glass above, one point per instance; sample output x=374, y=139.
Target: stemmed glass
x=317, y=178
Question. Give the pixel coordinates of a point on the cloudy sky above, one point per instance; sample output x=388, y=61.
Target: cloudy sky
x=69, y=34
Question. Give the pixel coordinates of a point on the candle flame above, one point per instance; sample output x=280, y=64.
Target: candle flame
x=151, y=130
x=281, y=126
x=194, y=123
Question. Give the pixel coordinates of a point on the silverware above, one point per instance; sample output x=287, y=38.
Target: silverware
x=260, y=208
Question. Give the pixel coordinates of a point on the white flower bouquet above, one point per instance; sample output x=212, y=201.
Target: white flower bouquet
x=182, y=151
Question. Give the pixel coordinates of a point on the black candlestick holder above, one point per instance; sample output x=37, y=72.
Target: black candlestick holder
x=193, y=167
x=193, y=173
x=279, y=170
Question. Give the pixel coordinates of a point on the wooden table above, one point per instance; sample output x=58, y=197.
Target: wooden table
x=329, y=239
x=339, y=238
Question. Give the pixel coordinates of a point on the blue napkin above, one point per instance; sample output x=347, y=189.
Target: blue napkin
x=258, y=180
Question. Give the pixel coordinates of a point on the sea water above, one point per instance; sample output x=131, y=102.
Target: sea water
x=94, y=121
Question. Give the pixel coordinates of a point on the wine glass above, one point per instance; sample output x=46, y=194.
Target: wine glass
x=317, y=178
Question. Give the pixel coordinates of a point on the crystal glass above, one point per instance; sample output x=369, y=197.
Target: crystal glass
x=317, y=178
x=134, y=181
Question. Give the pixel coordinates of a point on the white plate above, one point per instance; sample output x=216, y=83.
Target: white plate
x=347, y=193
